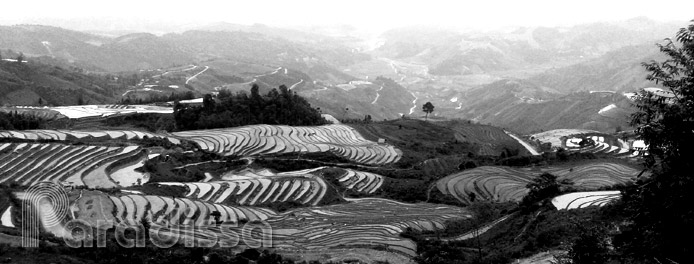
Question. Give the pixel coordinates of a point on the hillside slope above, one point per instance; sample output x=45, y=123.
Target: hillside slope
x=33, y=83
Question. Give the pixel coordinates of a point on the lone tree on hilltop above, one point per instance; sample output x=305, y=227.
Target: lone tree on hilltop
x=428, y=108
x=660, y=206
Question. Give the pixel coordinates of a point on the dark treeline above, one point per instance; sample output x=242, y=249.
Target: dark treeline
x=229, y=110
x=159, y=98
x=18, y=121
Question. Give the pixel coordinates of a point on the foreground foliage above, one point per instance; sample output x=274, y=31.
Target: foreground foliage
x=662, y=215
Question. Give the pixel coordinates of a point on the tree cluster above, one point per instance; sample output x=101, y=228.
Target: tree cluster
x=16, y=121
x=159, y=98
x=230, y=110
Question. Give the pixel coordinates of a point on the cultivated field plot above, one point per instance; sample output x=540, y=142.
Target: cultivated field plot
x=27, y=163
x=362, y=223
x=600, y=144
x=584, y=199
x=355, y=180
x=504, y=184
x=74, y=135
x=263, y=187
x=266, y=139
x=255, y=191
x=79, y=111
x=162, y=210
x=556, y=136
x=361, y=182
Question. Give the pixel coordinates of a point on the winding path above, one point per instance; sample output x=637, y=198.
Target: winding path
x=478, y=231
x=526, y=145
x=271, y=73
x=377, y=95
x=48, y=47
x=196, y=75
x=294, y=85
x=413, y=102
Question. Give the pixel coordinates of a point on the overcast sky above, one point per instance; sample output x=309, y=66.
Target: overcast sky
x=478, y=14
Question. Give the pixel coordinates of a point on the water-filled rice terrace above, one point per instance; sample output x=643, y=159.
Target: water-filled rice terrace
x=306, y=208
x=504, y=184
x=315, y=215
x=92, y=166
x=258, y=140
x=266, y=139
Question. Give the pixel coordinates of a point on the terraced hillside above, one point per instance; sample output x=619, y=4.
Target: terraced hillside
x=161, y=210
x=350, y=179
x=256, y=191
x=504, y=184
x=361, y=182
x=602, y=145
x=75, y=135
x=81, y=111
x=588, y=141
x=259, y=140
x=558, y=136
x=29, y=163
x=360, y=223
x=264, y=188
x=584, y=199
x=253, y=140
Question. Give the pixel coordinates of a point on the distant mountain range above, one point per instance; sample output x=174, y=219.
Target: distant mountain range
x=454, y=53
x=525, y=79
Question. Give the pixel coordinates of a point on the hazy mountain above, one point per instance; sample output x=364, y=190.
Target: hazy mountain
x=525, y=78
x=526, y=107
x=448, y=52
x=619, y=70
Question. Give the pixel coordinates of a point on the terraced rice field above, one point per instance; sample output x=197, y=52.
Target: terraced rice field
x=262, y=187
x=600, y=145
x=362, y=222
x=359, y=223
x=361, y=182
x=80, y=111
x=29, y=163
x=161, y=210
x=355, y=180
x=259, y=140
x=584, y=199
x=555, y=136
x=60, y=135
x=255, y=191
x=504, y=184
